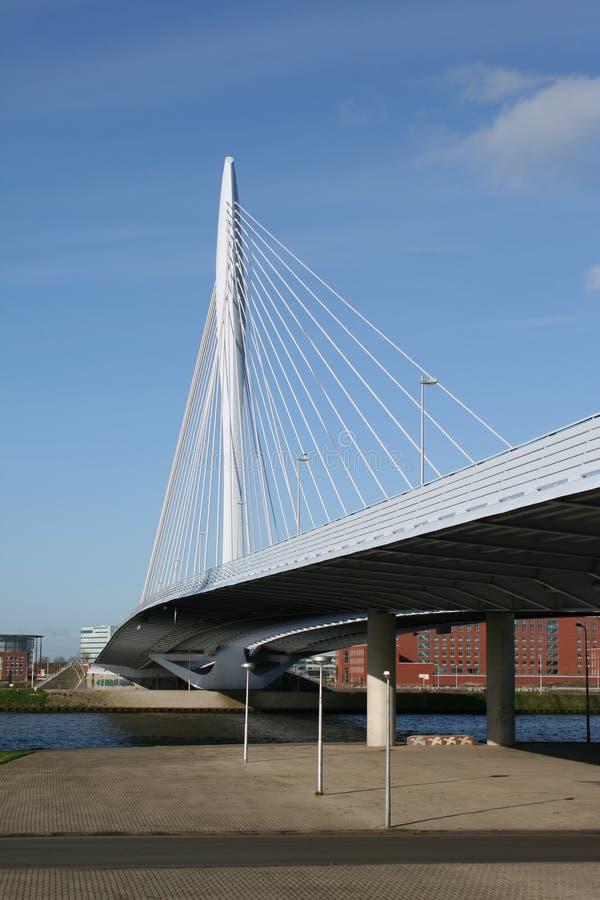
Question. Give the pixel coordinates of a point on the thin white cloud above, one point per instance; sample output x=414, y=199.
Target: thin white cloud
x=481, y=84
x=363, y=111
x=548, y=135
x=201, y=57
x=592, y=278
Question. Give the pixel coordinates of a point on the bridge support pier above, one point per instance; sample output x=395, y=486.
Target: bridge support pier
x=500, y=631
x=381, y=656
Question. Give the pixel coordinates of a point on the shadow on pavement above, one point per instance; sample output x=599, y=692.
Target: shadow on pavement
x=576, y=752
x=474, y=812
x=413, y=784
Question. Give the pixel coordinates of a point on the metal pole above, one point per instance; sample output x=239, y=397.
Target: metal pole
x=189, y=670
x=320, y=661
x=33, y=660
x=588, y=737
x=298, y=496
x=422, y=481
x=320, y=741
x=246, y=717
x=248, y=666
x=540, y=672
x=388, y=741
x=299, y=461
x=424, y=381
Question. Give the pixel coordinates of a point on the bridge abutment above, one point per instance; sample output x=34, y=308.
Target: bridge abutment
x=381, y=657
x=500, y=636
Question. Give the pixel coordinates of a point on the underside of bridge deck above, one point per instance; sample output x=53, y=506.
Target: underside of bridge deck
x=542, y=559
x=539, y=560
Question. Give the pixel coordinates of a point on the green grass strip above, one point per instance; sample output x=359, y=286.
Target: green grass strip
x=9, y=755
x=21, y=698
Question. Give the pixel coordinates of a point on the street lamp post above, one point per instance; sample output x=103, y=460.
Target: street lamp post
x=424, y=382
x=540, y=671
x=587, y=681
x=388, y=741
x=320, y=662
x=40, y=654
x=301, y=459
x=248, y=666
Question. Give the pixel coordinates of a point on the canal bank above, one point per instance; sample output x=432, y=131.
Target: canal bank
x=136, y=699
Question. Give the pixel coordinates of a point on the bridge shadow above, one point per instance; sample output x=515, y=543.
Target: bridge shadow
x=571, y=750
x=475, y=812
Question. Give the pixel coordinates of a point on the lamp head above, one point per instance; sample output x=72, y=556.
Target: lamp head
x=248, y=666
x=320, y=660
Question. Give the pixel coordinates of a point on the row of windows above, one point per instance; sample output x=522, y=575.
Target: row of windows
x=444, y=639
x=550, y=670
x=456, y=670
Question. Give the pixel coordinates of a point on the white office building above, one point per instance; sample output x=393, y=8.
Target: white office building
x=93, y=639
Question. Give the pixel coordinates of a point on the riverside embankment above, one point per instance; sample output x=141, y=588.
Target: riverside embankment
x=132, y=699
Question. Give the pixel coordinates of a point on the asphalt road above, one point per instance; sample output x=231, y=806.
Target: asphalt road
x=174, y=851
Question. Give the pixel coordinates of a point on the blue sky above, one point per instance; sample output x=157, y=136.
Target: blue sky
x=437, y=162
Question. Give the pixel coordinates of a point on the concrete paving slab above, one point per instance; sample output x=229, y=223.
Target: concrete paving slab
x=391, y=882
x=207, y=790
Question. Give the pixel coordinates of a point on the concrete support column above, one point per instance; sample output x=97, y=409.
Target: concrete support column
x=381, y=656
x=500, y=638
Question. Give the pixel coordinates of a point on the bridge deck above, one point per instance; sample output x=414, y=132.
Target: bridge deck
x=519, y=531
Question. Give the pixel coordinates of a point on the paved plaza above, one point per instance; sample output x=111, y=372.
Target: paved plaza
x=206, y=791
x=391, y=882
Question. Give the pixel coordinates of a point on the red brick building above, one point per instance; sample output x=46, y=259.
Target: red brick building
x=546, y=650
x=13, y=665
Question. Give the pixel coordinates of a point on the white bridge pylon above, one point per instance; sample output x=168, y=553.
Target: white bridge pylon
x=231, y=352
x=300, y=412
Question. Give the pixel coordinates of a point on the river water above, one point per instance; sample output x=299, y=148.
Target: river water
x=78, y=730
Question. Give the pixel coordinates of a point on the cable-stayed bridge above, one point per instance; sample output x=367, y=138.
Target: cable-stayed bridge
x=324, y=480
